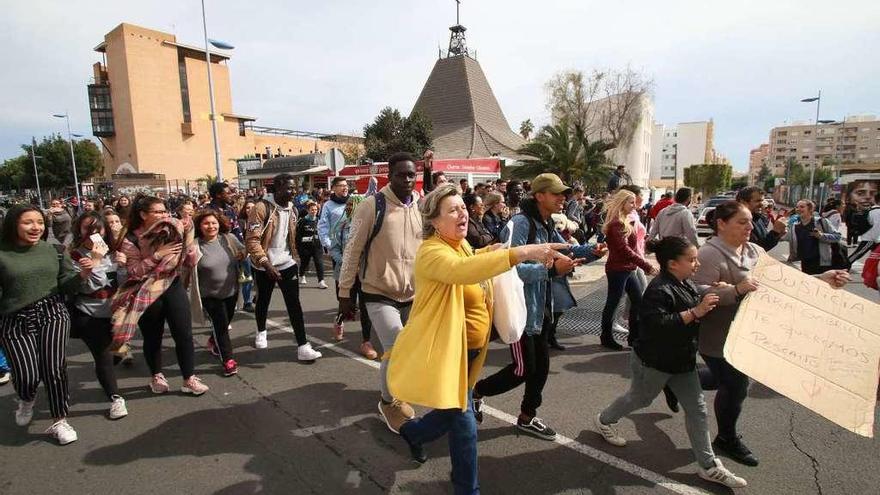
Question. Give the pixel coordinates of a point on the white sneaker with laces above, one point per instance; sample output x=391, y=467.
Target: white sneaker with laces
x=721, y=475
x=63, y=432
x=322, y=284
x=117, y=408
x=609, y=432
x=617, y=327
x=261, y=341
x=306, y=353
x=25, y=412
x=5, y=376
x=303, y=281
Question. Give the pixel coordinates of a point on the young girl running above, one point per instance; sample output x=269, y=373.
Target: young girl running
x=665, y=354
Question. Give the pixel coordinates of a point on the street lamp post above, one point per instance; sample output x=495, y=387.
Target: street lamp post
x=818, y=100
x=36, y=175
x=224, y=46
x=66, y=117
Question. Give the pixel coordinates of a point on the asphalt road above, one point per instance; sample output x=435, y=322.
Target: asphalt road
x=280, y=426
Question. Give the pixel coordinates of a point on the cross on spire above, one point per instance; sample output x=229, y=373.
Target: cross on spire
x=457, y=44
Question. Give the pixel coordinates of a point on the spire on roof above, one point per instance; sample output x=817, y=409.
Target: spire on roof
x=457, y=44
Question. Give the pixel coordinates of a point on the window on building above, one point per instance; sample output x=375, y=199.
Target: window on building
x=241, y=128
x=184, y=87
x=807, y=133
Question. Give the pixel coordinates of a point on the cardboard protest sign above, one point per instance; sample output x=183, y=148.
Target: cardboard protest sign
x=818, y=346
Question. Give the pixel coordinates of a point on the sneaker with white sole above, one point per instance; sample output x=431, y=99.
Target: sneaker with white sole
x=617, y=327
x=536, y=427
x=721, y=475
x=117, y=407
x=25, y=412
x=193, y=385
x=608, y=432
x=303, y=281
x=306, y=353
x=478, y=409
x=261, y=341
x=322, y=284
x=158, y=384
x=5, y=376
x=63, y=432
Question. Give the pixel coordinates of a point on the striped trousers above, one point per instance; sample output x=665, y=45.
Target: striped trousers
x=34, y=338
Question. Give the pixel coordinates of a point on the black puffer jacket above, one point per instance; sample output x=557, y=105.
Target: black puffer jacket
x=665, y=343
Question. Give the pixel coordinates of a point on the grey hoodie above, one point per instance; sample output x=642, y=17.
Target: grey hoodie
x=675, y=220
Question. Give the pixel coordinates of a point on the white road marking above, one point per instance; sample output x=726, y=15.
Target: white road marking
x=343, y=423
x=596, y=454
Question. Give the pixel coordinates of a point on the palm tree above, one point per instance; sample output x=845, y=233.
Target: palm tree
x=568, y=153
x=526, y=128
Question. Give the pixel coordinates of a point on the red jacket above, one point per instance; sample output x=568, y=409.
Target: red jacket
x=622, y=255
x=657, y=208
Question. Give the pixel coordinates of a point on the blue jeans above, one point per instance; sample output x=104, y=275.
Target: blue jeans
x=247, y=288
x=4, y=366
x=618, y=283
x=462, y=429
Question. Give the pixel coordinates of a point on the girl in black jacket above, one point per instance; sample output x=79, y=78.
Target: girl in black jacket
x=665, y=355
x=308, y=246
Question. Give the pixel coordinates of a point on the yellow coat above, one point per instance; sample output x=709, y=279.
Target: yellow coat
x=428, y=363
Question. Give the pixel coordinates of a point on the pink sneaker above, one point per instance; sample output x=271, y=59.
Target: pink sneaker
x=193, y=385
x=159, y=385
x=338, y=331
x=230, y=368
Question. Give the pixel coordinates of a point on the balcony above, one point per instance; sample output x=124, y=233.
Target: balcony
x=101, y=110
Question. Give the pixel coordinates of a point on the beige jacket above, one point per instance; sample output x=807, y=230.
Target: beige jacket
x=393, y=252
x=261, y=224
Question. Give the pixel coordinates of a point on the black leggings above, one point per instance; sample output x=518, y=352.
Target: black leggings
x=173, y=307
x=733, y=388
x=309, y=254
x=97, y=334
x=289, y=285
x=221, y=312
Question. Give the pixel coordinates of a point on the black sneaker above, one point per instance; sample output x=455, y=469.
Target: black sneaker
x=610, y=343
x=416, y=451
x=671, y=399
x=248, y=308
x=554, y=344
x=537, y=428
x=478, y=410
x=736, y=450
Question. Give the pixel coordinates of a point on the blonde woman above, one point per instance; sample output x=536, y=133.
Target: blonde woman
x=620, y=269
x=438, y=355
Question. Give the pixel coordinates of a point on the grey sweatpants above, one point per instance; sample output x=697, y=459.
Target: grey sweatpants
x=388, y=320
x=646, y=385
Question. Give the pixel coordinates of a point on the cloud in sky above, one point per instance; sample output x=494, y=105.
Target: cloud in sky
x=330, y=66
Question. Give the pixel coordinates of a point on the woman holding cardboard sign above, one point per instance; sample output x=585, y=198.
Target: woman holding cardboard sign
x=726, y=262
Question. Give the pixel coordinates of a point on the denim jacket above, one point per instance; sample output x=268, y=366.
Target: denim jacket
x=534, y=275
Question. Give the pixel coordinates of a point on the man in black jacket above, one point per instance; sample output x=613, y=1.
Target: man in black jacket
x=752, y=197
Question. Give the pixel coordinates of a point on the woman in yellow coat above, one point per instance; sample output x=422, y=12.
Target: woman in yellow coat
x=439, y=354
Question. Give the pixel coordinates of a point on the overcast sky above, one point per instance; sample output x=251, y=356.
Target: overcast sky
x=331, y=65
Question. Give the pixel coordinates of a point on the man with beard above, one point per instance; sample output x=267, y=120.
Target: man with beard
x=752, y=197
x=385, y=235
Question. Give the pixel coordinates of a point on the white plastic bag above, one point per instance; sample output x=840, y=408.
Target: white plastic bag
x=509, y=309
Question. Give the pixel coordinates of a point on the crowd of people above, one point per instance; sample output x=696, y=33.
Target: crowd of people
x=416, y=268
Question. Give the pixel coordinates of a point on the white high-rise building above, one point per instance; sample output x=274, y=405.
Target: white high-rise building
x=635, y=155
x=677, y=147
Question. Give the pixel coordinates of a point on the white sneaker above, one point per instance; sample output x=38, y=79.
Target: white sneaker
x=322, y=284
x=63, y=432
x=609, y=432
x=306, y=353
x=303, y=281
x=719, y=474
x=117, y=408
x=262, y=341
x=617, y=327
x=25, y=412
x=5, y=376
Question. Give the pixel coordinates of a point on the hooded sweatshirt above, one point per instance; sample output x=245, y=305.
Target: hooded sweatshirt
x=391, y=260
x=675, y=220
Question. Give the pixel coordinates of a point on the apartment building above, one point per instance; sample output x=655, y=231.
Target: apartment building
x=150, y=110
x=677, y=147
x=758, y=157
x=853, y=141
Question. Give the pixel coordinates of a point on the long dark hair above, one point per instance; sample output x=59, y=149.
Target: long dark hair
x=725, y=211
x=97, y=223
x=10, y=223
x=141, y=204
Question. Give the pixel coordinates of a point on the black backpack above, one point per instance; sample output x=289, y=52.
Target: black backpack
x=381, y=206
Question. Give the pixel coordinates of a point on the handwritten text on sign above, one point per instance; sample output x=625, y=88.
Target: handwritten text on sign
x=817, y=346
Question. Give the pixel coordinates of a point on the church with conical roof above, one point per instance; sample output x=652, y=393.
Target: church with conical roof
x=457, y=98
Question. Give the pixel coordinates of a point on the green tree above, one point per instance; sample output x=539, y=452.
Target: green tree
x=708, y=178
x=739, y=183
x=390, y=132
x=566, y=152
x=763, y=174
x=526, y=128
x=53, y=164
x=800, y=175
